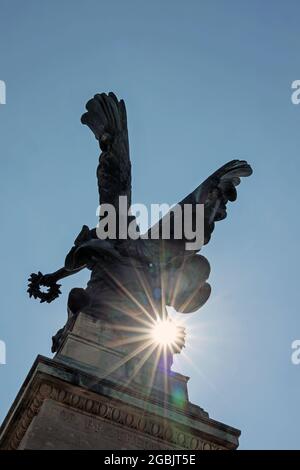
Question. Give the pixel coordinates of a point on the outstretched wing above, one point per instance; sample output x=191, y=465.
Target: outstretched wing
x=106, y=117
x=187, y=272
x=214, y=193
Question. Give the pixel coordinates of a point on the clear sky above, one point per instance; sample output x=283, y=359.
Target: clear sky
x=204, y=82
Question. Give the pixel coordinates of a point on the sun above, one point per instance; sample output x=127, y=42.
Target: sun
x=168, y=334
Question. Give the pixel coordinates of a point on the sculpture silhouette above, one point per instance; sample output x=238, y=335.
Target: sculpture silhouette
x=130, y=277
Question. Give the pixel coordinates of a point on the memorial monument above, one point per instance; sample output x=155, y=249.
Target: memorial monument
x=110, y=384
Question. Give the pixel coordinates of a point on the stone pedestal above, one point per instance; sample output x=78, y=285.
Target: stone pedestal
x=102, y=390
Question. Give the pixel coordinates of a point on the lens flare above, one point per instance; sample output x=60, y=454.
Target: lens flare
x=167, y=333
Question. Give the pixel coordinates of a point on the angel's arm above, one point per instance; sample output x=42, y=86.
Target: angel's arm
x=61, y=274
x=38, y=280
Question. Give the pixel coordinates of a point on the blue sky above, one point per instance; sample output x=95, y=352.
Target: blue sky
x=204, y=82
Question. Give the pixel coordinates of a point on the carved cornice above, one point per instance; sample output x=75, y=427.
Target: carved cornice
x=108, y=410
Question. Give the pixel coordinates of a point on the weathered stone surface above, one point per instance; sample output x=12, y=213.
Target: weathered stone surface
x=59, y=427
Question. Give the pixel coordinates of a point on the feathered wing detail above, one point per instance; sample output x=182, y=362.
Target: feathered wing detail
x=214, y=193
x=106, y=117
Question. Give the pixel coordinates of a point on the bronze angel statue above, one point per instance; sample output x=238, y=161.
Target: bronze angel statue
x=131, y=276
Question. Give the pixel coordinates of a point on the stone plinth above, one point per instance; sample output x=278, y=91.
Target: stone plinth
x=96, y=394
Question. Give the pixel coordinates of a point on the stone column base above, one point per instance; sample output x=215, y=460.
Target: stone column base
x=91, y=396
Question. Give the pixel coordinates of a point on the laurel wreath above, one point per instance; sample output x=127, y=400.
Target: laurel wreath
x=34, y=288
